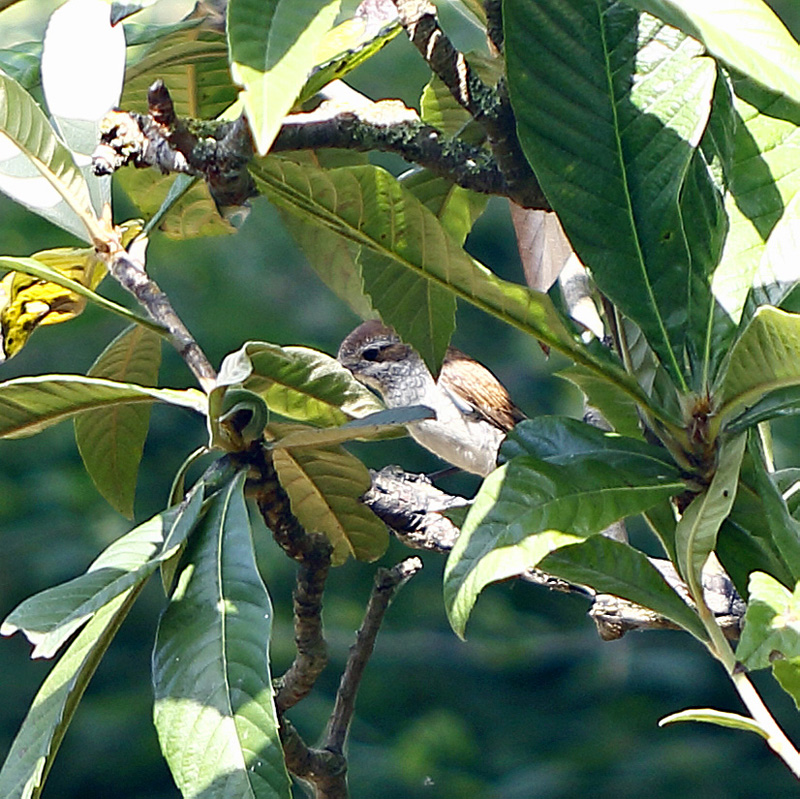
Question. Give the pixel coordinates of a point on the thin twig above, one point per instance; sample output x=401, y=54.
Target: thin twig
x=387, y=583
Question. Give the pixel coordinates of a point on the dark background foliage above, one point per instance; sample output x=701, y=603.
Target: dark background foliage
x=533, y=705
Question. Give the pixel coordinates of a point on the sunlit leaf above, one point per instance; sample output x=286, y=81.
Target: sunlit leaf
x=111, y=440
x=721, y=718
x=211, y=665
x=324, y=487
x=29, y=405
x=272, y=47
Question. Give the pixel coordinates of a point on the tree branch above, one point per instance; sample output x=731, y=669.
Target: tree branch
x=491, y=109
x=387, y=583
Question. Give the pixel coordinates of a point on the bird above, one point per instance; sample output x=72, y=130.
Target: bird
x=473, y=409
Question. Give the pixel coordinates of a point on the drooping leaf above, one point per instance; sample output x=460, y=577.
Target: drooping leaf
x=79, y=37
x=29, y=405
x=612, y=567
x=325, y=486
x=50, y=617
x=211, y=665
x=649, y=90
x=36, y=169
x=696, y=533
x=529, y=507
x=721, y=718
x=747, y=34
x=272, y=53
x=111, y=440
x=770, y=629
x=35, y=746
x=766, y=358
x=297, y=382
x=354, y=203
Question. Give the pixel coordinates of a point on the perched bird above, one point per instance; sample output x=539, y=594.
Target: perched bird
x=473, y=409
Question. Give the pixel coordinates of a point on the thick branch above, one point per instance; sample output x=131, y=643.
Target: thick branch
x=492, y=110
x=129, y=271
x=387, y=583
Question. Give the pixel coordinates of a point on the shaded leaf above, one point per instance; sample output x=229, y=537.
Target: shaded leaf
x=111, y=440
x=787, y=672
x=529, y=507
x=611, y=567
x=29, y=405
x=210, y=664
x=272, y=53
x=648, y=90
x=324, y=487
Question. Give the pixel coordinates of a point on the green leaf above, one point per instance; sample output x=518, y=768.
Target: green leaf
x=529, y=507
x=766, y=358
x=783, y=527
x=111, y=440
x=770, y=626
x=648, y=90
x=696, y=533
x=721, y=718
x=210, y=665
x=559, y=439
x=29, y=405
x=272, y=46
x=618, y=409
x=787, y=672
x=366, y=207
x=32, y=753
x=21, y=62
x=36, y=170
x=375, y=425
x=297, y=382
x=746, y=34
x=324, y=487
x=50, y=617
x=611, y=567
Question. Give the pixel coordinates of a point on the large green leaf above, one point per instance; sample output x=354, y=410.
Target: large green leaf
x=297, y=382
x=769, y=625
x=529, y=506
x=325, y=486
x=615, y=182
x=214, y=709
x=746, y=34
x=35, y=746
x=696, y=533
x=273, y=46
x=111, y=440
x=611, y=567
x=367, y=208
x=50, y=617
x=765, y=359
x=29, y=405
x=36, y=169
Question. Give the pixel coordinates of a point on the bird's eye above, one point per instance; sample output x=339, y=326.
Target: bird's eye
x=371, y=353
